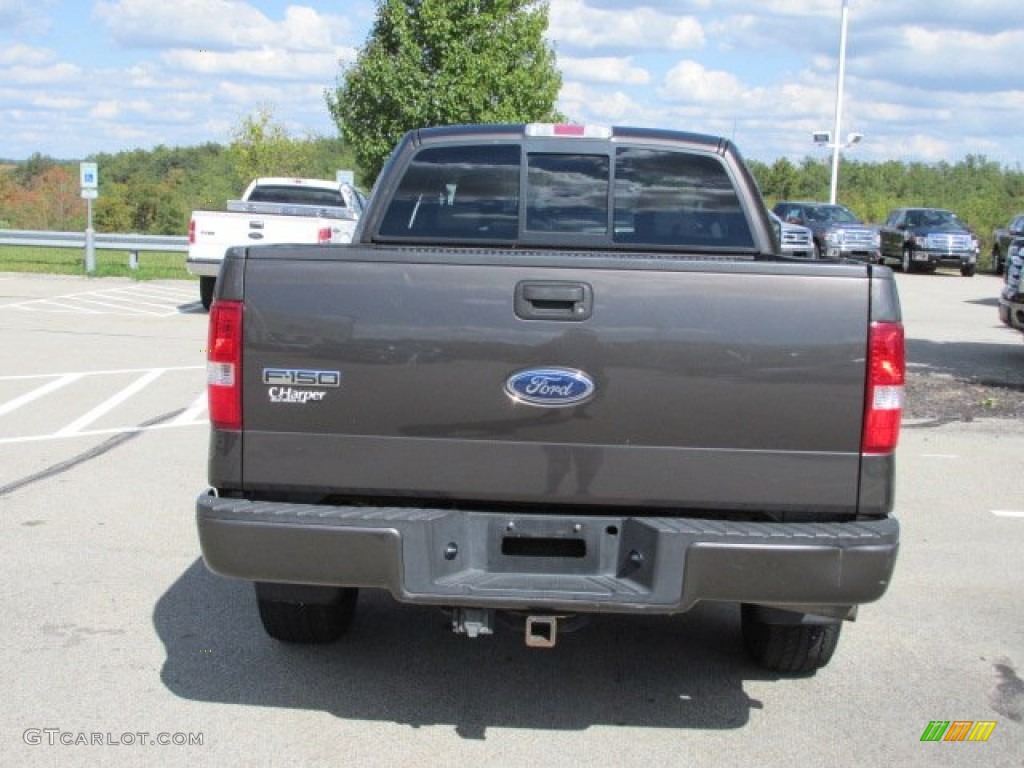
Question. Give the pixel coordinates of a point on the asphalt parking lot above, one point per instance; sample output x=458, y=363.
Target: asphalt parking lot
x=122, y=649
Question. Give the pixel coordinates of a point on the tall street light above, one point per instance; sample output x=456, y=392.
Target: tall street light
x=839, y=103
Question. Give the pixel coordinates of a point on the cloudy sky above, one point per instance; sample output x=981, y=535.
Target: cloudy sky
x=925, y=80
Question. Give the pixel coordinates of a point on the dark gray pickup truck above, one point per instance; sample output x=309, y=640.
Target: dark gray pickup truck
x=560, y=370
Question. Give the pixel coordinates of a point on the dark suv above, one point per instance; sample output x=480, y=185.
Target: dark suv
x=838, y=233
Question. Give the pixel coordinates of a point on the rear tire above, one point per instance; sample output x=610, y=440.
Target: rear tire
x=309, y=622
x=967, y=270
x=206, y=285
x=790, y=649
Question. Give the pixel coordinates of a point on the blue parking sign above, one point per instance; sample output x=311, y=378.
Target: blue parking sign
x=89, y=174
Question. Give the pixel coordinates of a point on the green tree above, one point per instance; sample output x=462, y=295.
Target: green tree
x=444, y=62
x=261, y=146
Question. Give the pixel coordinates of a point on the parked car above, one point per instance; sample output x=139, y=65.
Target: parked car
x=1002, y=239
x=1011, y=299
x=797, y=242
x=920, y=239
x=838, y=233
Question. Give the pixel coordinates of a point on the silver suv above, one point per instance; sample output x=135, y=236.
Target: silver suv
x=838, y=233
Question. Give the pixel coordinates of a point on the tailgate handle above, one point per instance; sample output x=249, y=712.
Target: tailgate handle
x=553, y=300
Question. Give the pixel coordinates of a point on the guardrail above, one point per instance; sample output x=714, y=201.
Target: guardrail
x=132, y=244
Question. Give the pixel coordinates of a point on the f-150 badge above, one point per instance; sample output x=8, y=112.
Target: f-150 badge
x=289, y=385
x=297, y=377
x=550, y=387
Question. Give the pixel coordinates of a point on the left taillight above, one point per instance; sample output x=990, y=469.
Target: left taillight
x=224, y=365
x=887, y=366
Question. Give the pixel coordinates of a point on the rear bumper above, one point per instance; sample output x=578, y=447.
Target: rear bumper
x=557, y=562
x=203, y=267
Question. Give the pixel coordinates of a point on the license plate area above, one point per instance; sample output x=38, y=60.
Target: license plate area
x=528, y=546
x=523, y=544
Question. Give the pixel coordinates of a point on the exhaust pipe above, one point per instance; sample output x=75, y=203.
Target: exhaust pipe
x=541, y=631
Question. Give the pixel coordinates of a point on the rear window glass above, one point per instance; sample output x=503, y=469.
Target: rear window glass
x=659, y=197
x=676, y=198
x=464, y=192
x=567, y=193
x=297, y=196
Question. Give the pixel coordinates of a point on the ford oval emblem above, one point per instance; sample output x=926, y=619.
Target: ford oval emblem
x=550, y=387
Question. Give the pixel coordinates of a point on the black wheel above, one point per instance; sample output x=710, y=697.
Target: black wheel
x=206, y=285
x=997, y=267
x=819, y=254
x=322, y=621
x=907, y=264
x=790, y=649
x=967, y=270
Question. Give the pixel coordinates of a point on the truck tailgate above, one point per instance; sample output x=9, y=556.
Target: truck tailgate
x=728, y=384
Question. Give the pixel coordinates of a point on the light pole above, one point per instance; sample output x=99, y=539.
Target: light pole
x=839, y=103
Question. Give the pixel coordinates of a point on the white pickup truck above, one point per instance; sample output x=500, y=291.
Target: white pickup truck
x=272, y=210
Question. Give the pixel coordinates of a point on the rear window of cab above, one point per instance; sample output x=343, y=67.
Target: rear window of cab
x=626, y=196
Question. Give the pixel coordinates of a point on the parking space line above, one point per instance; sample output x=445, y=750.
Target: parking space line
x=49, y=383
x=122, y=305
x=35, y=394
x=110, y=403
x=98, y=432
x=155, y=301
x=24, y=376
x=191, y=414
x=1008, y=512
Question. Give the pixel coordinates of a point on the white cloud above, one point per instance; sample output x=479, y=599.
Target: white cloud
x=58, y=103
x=218, y=25
x=49, y=74
x=15, y=14
x=596, y=105
x=574, y=23
x=604, y=69
x=946, y=58
x=26, y=55
x=690, y=83
x=268, y=62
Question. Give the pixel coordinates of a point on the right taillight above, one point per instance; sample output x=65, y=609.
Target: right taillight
x=887, y=368
x=192, y=231
x=224, y=365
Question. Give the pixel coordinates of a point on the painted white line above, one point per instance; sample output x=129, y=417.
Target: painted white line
x=1008, y=512
x=98, y=432
x=194, y=411
x=52, y=305
x=130, y=301
x=121, y=299
x=99, y=373
x=35, y=394
x=136, y=386
x=106, y=308
x=154, y=291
